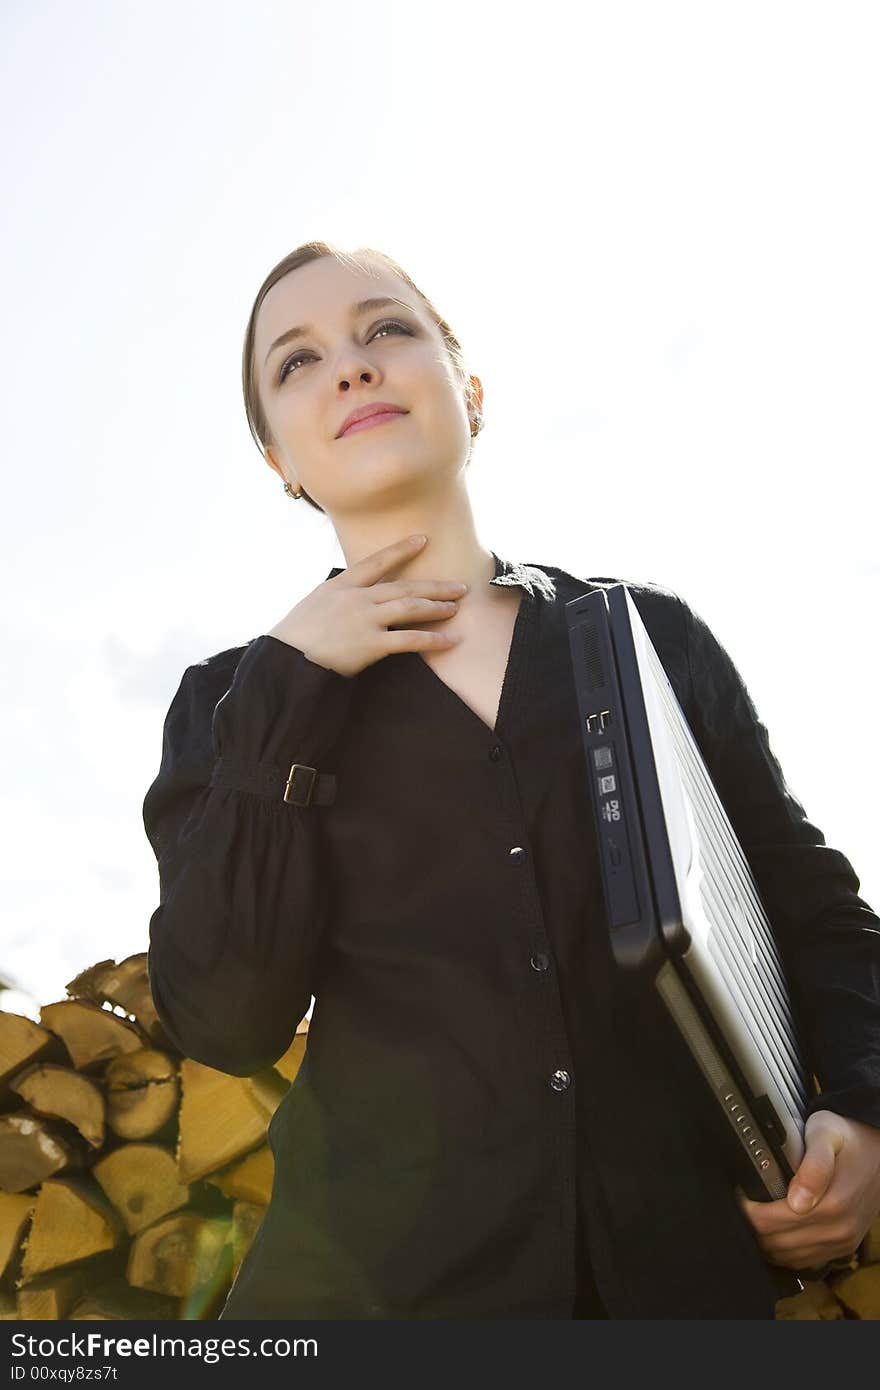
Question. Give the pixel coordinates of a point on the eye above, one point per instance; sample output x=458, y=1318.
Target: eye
x=389, y=323
x=299, y=356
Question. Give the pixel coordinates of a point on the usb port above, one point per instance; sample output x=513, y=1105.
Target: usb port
x=602, y=718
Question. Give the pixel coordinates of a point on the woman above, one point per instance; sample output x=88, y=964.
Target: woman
x=381, y=802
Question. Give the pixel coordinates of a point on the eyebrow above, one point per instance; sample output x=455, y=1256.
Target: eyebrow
x=362, y=307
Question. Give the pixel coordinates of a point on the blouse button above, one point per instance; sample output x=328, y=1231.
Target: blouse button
x=560, y=1080
x=539, y=961
x=517, y=854
x=495, y=753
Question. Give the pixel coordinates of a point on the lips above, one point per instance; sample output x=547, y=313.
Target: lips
x=378, y=412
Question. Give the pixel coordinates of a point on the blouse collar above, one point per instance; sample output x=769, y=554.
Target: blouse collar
x=528, y=577
x=533, y=580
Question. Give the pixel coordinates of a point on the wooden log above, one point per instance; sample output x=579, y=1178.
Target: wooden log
x=21, y=1042
x=250, y=1179
x=859, y=1291
x=92, y=1035
x=289, y=1064
x=51, y=1296
x=142, y=1093
x=179, y=1255
x=142, y=1182
x=33, y=1148
x=115, y=1300
x=72, y=1221
x=15, y=1213
x=143, y=1204
x=269, y=1088
x=62, y=1093
x=220, y=1119
x=247, y=1217
x=816, y=1301
x=869, y=1250
x=126, y=986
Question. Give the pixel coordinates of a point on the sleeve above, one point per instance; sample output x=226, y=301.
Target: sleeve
x=243, y=895
x=828, y=937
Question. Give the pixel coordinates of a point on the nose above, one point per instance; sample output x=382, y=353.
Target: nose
x=366, y=374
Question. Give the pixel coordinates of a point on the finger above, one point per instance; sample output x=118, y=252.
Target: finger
x=769, y=1217
x=423, y=588
x=750, y=1207
x=374, y=566
x=418, y=639
x=400, y=612
x=804, y=1254
x=824, y=1140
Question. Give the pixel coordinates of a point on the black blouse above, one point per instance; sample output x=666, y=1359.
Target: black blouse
x=486, y=1122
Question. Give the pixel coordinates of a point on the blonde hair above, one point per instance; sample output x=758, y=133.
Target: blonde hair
x=312, y=251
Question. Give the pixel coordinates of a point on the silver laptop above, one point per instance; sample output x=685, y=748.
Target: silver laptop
x=683, y=907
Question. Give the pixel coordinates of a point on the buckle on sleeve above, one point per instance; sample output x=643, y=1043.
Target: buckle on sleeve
x=288, y=790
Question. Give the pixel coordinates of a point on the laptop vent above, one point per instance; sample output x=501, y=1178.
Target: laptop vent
x=592, y=656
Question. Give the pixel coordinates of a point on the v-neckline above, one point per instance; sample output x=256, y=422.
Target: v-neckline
x=511, y=673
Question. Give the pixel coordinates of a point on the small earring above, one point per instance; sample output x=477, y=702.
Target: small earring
x=290, y=492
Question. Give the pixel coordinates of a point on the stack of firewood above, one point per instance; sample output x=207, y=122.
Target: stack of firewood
x=132, y=1180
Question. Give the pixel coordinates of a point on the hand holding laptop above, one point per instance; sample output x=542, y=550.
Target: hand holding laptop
x=832, y=1199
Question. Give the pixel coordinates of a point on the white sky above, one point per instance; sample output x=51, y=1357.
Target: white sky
x=653, y=227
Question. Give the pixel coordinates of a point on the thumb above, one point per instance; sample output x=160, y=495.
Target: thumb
x=824, y=1139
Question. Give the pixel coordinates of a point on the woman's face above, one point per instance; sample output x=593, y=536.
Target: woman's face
x=392, y=353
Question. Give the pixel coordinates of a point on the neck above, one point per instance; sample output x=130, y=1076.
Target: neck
x=453, y=549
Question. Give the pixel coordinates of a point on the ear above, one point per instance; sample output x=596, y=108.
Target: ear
x=276, y=467
x=477, y=389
